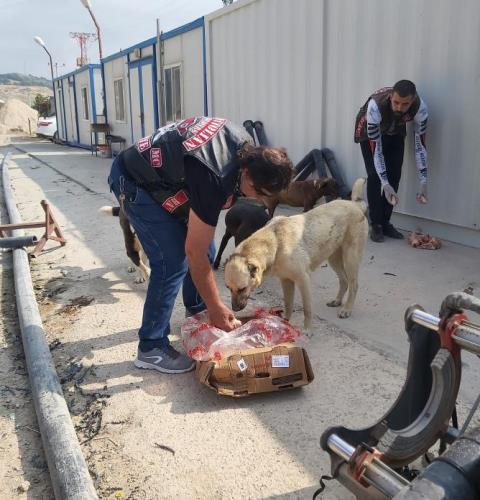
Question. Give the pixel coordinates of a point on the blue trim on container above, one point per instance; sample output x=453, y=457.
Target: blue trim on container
x=183, y=29
x=79, y=70
x=76, y=107
x=93, y=118
x=204, y=53
x=104, y=97
x=154, y=84
x=64, y=114
x=130, y=97
x=79, y=145
x=141, y=62
x=152, y=41
x=125, y=52
x=92, y=96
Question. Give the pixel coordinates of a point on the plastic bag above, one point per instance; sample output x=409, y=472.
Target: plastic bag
x=204, y=342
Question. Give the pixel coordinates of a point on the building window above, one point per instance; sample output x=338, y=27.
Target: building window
x=173, y=94
x=119, y=100
x=85, y=103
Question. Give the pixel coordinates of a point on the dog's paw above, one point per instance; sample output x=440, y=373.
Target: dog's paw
x=131, y=269
x=139, y=279
x=307, y=324
x=334, y=303
x=344, y=313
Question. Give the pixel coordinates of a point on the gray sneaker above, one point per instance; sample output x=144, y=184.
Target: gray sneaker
x=166, y=360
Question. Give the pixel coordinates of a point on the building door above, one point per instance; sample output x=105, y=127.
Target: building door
x=143, y=94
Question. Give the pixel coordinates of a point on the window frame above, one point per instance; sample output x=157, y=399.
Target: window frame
x=171, y=68
x=85, y=108
x=117, y=119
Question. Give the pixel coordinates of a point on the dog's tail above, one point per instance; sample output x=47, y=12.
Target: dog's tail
x=115, y=211
x=357, y=193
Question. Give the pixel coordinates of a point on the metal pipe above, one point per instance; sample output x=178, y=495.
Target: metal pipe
x=425, y=319
x=340, y=447
x=467, y=335
x=68, y=470
x=18, y=241
x=377, y=474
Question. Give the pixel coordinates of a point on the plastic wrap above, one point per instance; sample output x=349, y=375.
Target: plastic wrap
x=263, y=328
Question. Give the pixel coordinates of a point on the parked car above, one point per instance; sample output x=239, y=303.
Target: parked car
x=47, y=127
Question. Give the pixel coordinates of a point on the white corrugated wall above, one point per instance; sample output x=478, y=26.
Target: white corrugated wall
x=116, y=69
x=186, y=49
x=305, y=67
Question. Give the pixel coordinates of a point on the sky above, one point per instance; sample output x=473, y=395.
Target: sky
x=123, y=23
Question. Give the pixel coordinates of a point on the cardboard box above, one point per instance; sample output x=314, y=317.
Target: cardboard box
x=253, y=371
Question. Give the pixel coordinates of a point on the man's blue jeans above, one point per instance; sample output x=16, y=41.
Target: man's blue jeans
x=163, y=239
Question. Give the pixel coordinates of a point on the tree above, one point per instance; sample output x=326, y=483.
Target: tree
x=41, y=104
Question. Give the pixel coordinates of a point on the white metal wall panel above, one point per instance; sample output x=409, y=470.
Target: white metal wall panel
x=114, y=70
x=265, y=63
x=135, y=104
x=187, y=49
x=98, y=87
x=59, y=92
x=148, y=99
x=304, y=68
x=70, y=110
x=429, y=42
x=82, y=79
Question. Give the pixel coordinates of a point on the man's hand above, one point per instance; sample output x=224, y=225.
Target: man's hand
x=422, y=193
x=222, y=317
x=390, y=194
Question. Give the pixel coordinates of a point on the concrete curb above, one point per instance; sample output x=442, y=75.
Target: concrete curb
x=68, y=470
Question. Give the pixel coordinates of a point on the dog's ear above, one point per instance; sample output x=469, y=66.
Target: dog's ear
x=252, y=269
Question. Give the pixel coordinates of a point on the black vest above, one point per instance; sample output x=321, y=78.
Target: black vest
x=390, y=124
x=156, y=163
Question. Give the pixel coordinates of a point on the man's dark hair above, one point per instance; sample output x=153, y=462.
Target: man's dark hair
x=269, y=168
x=405, y=88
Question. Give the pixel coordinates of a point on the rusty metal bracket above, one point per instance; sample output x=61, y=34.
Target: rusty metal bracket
x=50, y=224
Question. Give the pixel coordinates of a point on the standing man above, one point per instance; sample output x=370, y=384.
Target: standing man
x=380, y=128
x=172, y=186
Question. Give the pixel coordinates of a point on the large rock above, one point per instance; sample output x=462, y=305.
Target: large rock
x=16, y=115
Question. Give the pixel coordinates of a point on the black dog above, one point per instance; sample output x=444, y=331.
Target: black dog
x=245, y=217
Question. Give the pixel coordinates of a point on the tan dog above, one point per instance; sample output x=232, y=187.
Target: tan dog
x=132, y=244
x=292, y=247
x=303, y=194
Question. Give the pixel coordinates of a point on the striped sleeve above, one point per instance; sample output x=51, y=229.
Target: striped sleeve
x=420, y=131
x=374, y=119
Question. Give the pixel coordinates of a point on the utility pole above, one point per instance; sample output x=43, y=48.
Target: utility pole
x=82, y=39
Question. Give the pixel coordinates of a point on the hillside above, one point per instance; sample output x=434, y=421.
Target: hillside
x=23, y=93
x=20, y=79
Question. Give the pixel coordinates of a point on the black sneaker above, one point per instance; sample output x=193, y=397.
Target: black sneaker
x=376, y=233
x=391, y=232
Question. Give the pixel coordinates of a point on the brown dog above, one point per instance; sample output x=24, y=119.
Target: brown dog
x=303, y=194
x=132, y=244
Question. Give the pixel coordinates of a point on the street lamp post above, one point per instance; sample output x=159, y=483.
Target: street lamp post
x=42, y=44
x=88, y=6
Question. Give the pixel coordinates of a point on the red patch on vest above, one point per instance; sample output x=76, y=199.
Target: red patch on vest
x=184, y=125
x=175, y=201
x=144, y=144
x=208, y=129
x=156, y=157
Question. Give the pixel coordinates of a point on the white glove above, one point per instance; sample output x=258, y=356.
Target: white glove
x=390, y=194
x=422, y=193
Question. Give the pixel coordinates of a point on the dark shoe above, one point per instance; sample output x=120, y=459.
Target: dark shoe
x=376, y=233
x=391, y=232
x=166, y=360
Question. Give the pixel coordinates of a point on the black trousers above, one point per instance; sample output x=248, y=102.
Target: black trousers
x=393, y=147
